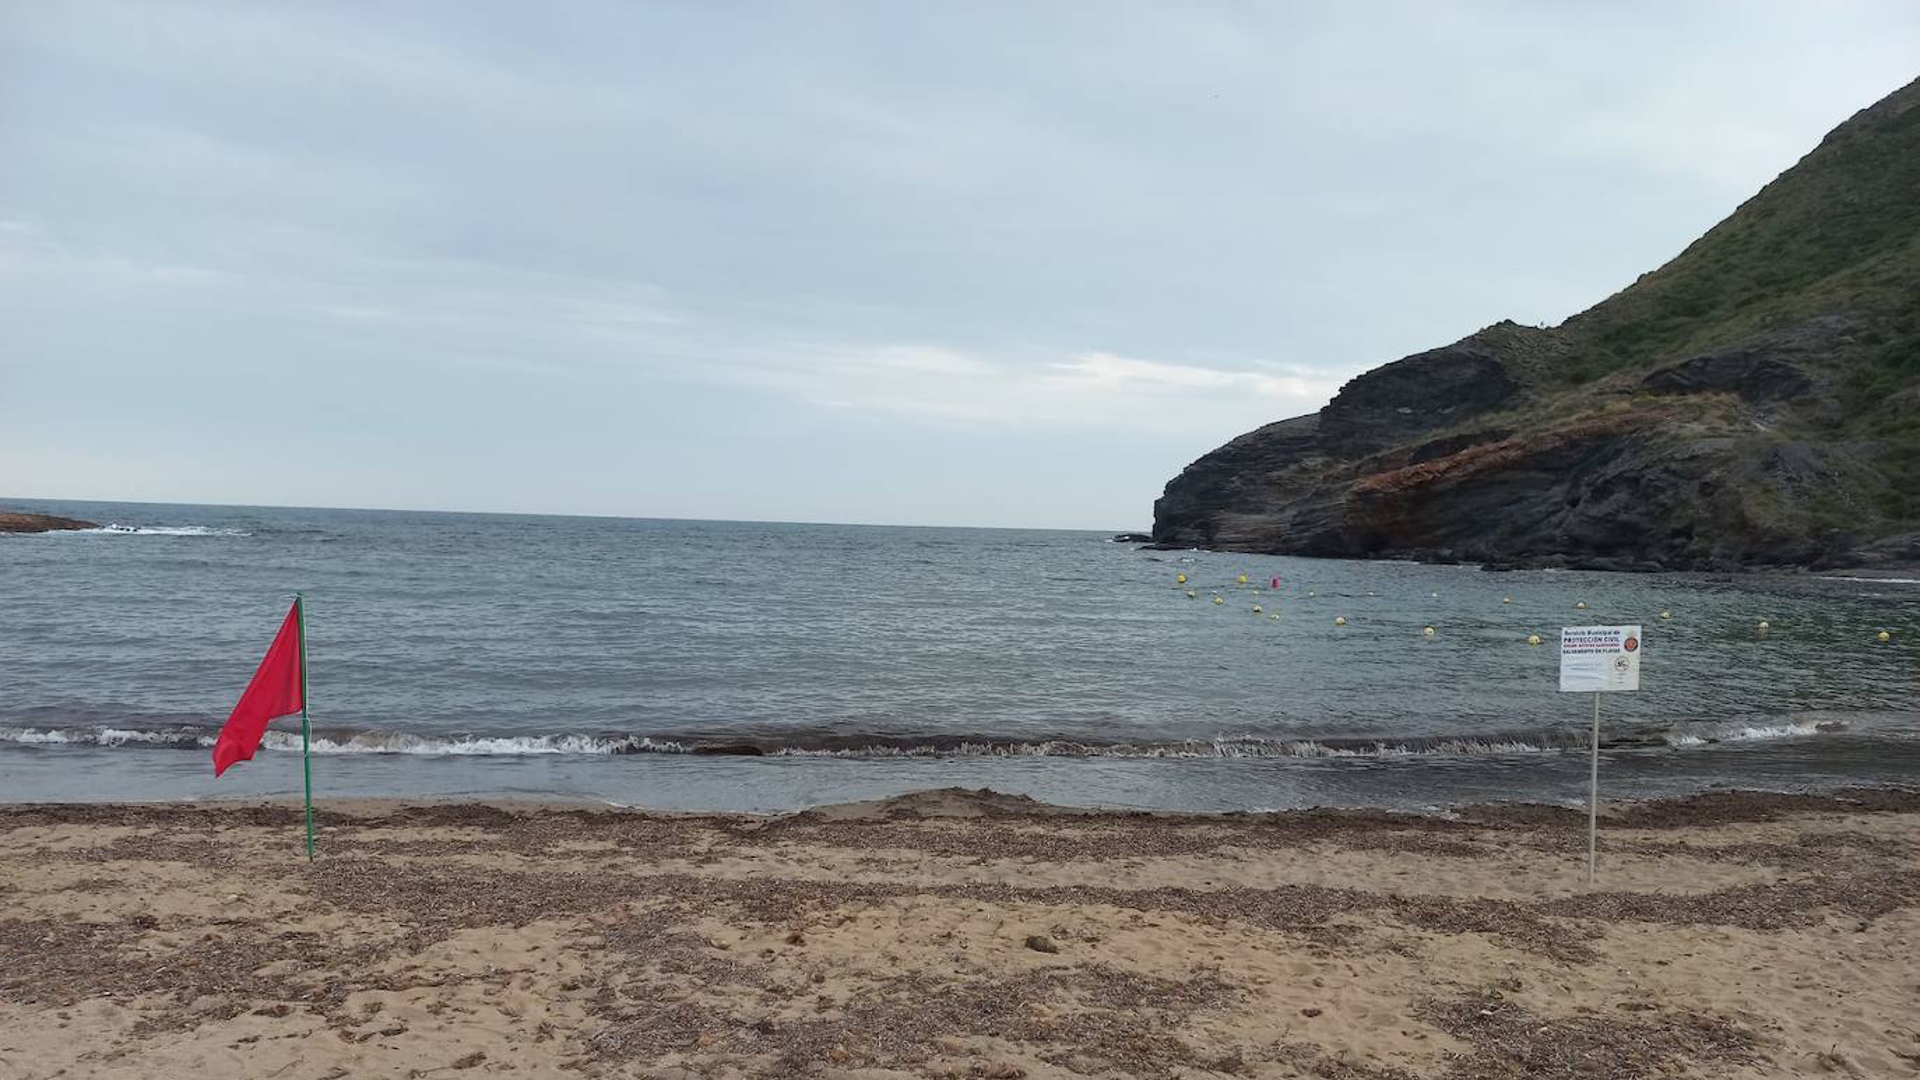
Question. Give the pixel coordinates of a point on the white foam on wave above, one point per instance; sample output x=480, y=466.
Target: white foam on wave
x=390, y=742
x=1223, y=747
x=101, y=737
x=395, y=742
x=1706, y=735
x=158, y=530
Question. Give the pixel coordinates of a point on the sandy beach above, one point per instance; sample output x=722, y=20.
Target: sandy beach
x=954, y=934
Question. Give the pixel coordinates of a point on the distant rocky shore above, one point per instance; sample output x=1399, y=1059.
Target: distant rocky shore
x=11, y=522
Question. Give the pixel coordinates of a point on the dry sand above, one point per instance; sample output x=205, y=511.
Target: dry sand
x=961, y=935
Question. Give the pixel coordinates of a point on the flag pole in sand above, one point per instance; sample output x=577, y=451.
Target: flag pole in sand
x=306, y=725
x=278, y=688
x=1593, y=794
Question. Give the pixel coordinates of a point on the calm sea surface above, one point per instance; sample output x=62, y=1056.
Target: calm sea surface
x=733, y=665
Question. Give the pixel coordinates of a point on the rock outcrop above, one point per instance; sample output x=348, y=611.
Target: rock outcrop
x=38, y=523
x=1755, y=402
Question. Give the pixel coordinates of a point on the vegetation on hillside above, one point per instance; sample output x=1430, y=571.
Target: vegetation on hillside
x=1837, y=234
x=1753, y=402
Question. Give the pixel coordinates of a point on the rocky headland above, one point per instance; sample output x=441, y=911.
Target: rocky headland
x=1753, y=403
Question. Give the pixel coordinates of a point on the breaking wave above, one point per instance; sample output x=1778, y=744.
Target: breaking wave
x=158, y=530
x=108, y=736
x=392, y=742
x=1735, y=731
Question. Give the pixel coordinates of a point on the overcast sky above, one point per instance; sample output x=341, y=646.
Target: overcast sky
x=896, y=262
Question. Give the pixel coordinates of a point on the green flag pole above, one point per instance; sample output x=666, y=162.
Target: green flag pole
x=306, y=726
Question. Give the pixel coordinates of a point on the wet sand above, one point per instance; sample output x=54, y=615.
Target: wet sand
x=954, y=934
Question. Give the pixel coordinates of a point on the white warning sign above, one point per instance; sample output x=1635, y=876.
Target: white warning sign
x=1599, y=659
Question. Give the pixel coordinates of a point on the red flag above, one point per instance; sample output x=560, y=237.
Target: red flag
x=276, y=690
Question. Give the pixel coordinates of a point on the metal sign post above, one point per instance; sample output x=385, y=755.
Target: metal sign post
x=1593, y=794
x=1600, y=660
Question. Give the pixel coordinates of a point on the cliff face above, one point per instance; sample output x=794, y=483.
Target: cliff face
x=1755, y=402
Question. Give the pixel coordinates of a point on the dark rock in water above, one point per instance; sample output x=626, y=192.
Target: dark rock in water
x=1754, y=403
x=1132, y=538
x=38, y=523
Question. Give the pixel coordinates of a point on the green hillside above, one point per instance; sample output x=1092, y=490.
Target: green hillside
x=1755, y=401
x=1839, y=233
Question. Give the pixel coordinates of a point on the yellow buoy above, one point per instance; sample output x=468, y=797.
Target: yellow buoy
x=1339, y=620
x=1310, y=592
x=1275, y=615
x=1191, y=595
x=1219, y=600
x=1256, y=609
x=1582, y=605
x=1179, y=579
x=1764, y=626
x=1428, y=631
x=1533, y=639
x=1666, y=614
x=1506, y=599
x=1242, y=579
x=1885, y=637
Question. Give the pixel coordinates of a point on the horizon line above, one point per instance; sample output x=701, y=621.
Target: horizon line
x=14, y=499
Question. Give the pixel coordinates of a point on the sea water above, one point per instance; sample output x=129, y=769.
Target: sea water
x=732, y=665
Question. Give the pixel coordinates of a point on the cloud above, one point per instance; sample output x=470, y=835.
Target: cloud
x=1107, y=371
x=1085, y=392
x=1107, y=242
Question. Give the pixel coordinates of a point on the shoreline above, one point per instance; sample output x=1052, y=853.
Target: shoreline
x=1898, y=569
x=955, y=933
x=1723, y=807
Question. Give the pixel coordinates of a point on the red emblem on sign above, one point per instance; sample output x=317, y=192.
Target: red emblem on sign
x=1633, y=643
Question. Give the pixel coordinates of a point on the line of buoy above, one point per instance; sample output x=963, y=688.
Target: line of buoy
x=1761, y=627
